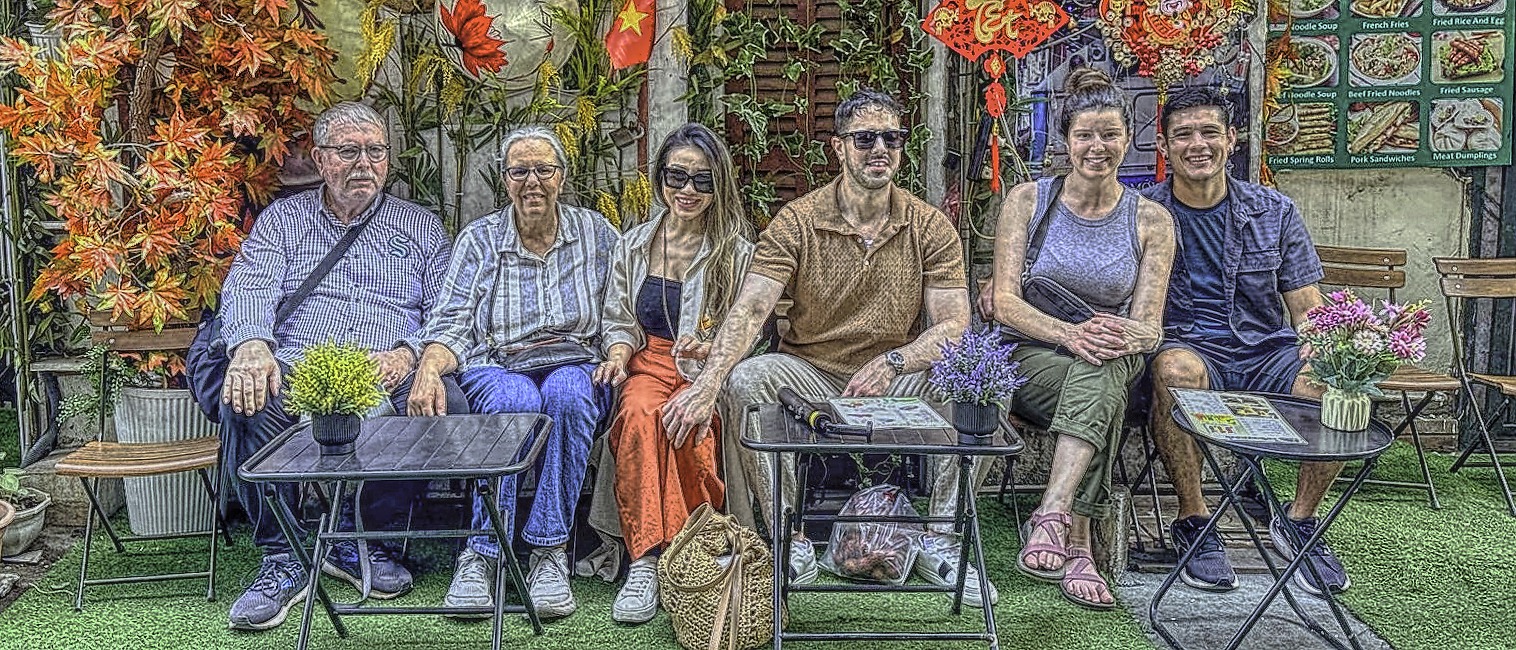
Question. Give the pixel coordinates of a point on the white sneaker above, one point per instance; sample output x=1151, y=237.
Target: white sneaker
x=547, y=583
x=937, y=563
x=803, y=567
x=637, y=601
x=472, y=583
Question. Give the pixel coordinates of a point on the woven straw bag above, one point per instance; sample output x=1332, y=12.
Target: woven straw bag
x=717, y=584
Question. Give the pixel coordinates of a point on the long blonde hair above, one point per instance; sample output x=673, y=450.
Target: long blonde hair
x=725, y=219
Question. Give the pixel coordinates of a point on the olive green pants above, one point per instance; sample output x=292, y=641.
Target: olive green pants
x=1070, y=397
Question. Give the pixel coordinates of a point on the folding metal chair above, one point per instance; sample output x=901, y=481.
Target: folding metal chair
x=1380, y=269
x=1464, y=280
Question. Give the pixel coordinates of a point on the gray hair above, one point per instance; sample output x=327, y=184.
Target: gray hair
x=346, y=114
x=533, y=132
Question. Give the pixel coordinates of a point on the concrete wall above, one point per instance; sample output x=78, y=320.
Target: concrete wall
x=1424, y=211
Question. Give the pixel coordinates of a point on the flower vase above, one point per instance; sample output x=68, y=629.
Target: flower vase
x=1345, y=410
x=976, y=423
x=335, y=433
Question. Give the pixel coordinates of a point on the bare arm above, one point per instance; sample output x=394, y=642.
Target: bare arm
x=690, y=410
x=948, y=311
x=1300, y=301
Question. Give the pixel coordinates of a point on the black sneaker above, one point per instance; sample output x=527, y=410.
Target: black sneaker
x=390, y=577
x=280, y=584
x=1209, y=568
x=1326, y=563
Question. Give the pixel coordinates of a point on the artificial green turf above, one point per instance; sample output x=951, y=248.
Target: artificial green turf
x=1428, y=579
x=175, y=615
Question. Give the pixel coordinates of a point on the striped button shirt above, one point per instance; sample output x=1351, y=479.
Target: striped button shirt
x=377, y=296
x=498, y=295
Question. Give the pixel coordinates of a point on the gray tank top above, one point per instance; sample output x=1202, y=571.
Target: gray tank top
x=1096, y=259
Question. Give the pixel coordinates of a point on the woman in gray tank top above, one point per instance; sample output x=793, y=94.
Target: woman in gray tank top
x=1113, y=249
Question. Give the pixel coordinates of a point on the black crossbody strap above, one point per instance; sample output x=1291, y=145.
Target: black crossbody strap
x=322, y=269
x=1040, y=226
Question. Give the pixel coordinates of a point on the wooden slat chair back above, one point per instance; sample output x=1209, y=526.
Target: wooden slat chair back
x=102, y=460
x=1382, y=269
x=1463, y=282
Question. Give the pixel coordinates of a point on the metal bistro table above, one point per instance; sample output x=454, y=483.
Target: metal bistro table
x=778, y=432
x=480, y=447
x=1322, y=445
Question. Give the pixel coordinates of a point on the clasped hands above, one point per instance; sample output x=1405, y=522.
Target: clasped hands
x=1107, y=336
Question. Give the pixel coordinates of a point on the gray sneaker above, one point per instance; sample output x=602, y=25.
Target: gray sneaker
x=389, y=579
x=637, y=602
x=547, y=583
x=281, y=583
x=471, y=583
x=937, y=563
x=803, y=567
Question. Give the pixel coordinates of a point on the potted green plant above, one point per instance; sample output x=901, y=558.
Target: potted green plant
x=28, y=512
x=335, y=384
x=977, y=376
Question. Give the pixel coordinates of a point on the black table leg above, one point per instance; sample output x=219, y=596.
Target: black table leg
x=328, y=524
x=968, y=501
x=781, y=543
x=1228, y=498
x=297, y=545
x=965, y=468
x=490, y=491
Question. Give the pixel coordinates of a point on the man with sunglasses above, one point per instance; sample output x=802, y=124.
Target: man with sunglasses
x=376, y=296
x=863, y=260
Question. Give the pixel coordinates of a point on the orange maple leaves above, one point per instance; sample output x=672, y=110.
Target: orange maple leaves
x=154, y=215
x=470, y=28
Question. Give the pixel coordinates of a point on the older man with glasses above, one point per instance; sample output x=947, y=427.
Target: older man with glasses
x=864, y=261
x=376, y=295
x=519, y=320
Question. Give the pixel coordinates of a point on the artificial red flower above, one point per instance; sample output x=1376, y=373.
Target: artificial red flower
x=470, y=28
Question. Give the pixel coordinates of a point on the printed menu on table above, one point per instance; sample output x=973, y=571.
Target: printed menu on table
x=888, y=413
x=1392, y=83
x=1234, y=416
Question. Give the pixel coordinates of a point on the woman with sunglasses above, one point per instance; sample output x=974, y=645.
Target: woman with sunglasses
x=1104, y=243
x=672, y=280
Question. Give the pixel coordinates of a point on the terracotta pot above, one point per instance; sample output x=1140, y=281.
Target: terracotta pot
x=1345, y=411
x=336, y=433
x=976, y=423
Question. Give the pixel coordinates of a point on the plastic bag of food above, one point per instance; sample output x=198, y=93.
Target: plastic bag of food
x=874, y=552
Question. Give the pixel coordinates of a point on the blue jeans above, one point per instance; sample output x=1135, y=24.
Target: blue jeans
x=385, y=503
x=575, y=405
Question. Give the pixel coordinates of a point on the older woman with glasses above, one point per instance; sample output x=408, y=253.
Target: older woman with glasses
x=672, y=280
x=519, y=320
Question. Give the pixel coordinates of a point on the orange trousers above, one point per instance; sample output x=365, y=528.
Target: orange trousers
x=657, y=485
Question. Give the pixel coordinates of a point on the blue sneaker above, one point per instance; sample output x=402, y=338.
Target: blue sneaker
x=1208, y=568
x=390, y=577
x=1332, y=573
x=281, y=583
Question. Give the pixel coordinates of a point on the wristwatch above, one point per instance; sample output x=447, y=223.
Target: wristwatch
x=896, y=361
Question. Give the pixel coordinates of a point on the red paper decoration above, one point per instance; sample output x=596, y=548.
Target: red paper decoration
x=1169, y=40
x=974, y=27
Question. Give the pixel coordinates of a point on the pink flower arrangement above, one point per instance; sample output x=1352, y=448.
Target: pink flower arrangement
x=1353, y=347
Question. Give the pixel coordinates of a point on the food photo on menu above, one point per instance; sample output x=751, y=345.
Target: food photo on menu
x=1302, y=10
x=1385, y=127
x=1450, y=7
x=1386, y=8
x=1466, y=57
x=1466, y=124
x=1385, y=59
x=1313, y=63
x=1301, y=129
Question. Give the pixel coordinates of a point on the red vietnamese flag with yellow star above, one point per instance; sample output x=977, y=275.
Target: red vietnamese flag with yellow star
x=630, y=40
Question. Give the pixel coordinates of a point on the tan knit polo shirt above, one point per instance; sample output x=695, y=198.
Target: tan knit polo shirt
x=851, y=305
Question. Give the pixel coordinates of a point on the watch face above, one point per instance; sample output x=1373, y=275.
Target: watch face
x=896, y=360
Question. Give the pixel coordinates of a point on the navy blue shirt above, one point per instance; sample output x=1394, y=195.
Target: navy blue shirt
x=658, y=306
x=1204, y=233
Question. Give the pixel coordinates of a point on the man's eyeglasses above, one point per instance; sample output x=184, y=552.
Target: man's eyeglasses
x=677, y=179
x=349, y=152
x=864, y=140
x=543, y=172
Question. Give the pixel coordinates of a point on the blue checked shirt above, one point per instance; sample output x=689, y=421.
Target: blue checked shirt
x=377, y=296
x=498, y=295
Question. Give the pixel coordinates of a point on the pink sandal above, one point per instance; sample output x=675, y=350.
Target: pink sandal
x=1080, y=569
x=1046, y=522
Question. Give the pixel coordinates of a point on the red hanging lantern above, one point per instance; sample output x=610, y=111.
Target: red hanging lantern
x=975, y=27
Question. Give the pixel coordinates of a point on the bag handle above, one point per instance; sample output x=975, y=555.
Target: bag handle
x=698, y=521
x=729, y=606
x=325, y=267
x=1040, y=228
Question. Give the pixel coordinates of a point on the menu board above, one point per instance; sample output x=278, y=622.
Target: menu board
x=1393, y=83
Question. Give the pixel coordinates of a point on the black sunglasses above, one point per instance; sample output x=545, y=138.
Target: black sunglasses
x=676, y=179
x=864, y=140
